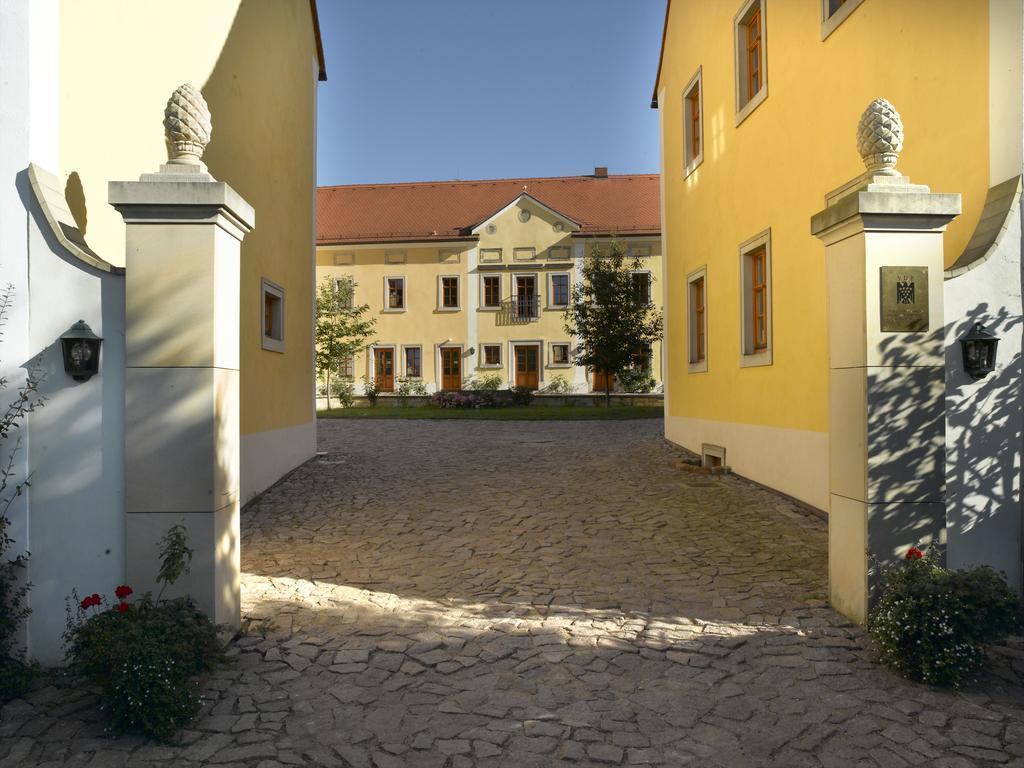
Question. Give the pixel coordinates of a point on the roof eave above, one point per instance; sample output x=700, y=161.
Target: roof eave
x=661, y=56
x=322, y=75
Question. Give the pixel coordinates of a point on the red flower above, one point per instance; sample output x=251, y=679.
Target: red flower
x=123, y=591
x=122, y=607
x=86, y=603
x=914, y=554
x=91, y=600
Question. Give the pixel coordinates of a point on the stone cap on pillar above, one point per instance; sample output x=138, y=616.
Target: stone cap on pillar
x=183, y=191
x=883, y=197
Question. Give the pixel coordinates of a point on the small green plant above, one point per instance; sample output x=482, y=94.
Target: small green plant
x=345, y=391
x=636, y=379
x=559, y=385
x=522, y=395
x=931, y=624
x=488, y=382
x=408, y=387
x=143, y=655
x=371, y=390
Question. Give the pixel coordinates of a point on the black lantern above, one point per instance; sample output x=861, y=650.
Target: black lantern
x=81, y=348
x=979, y=347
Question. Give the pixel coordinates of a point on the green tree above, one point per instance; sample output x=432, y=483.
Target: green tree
x=342, y=330
x=610, y=318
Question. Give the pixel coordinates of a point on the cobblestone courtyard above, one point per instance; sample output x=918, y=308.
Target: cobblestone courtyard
x=470, y=593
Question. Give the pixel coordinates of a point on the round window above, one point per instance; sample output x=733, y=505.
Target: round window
x=558, y=226
x=524, y=216
x=491, y=229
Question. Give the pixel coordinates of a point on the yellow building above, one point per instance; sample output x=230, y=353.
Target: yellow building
x=471, y=278
x=263, y=145
x=758, y=102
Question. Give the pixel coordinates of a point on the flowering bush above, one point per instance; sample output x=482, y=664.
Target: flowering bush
x=459, y=400
x=931, y=623
x=144, y=654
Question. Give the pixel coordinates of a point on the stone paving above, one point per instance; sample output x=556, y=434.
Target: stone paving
x=452, y=594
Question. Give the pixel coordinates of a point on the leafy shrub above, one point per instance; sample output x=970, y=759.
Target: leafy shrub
x=459, y=400
x=559, y=386
x=144, y=654
x=489, y=382
x=345, y=391
x=371, y=390
x=931, y=623
x=16, y=673
x=636, y=380
x=522, y=395
x=407, y=387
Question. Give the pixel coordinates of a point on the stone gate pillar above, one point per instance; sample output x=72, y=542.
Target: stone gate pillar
x=184, y=232
x=884, y=264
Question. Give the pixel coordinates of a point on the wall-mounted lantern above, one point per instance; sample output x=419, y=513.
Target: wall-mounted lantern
x=81, y=348
x=979, y=348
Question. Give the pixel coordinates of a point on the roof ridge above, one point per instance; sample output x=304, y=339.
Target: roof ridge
x=486, y=181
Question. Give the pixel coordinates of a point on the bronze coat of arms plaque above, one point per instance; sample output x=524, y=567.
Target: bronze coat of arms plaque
x=904, y=303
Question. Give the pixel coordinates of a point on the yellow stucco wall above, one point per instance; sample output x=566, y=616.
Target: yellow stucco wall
x=772, y=171
x=255, y=63
x=423, y=324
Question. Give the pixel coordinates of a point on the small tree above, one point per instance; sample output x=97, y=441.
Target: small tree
x=341, y=328
x=610, y=319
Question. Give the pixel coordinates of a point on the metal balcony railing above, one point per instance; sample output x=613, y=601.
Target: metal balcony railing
x=521, y=308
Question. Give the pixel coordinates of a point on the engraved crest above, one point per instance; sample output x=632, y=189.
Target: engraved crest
x=905, y=292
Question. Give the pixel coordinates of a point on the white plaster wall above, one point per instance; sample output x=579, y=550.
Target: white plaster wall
x=985, y=419
x=1005, y=94
x=267, y=456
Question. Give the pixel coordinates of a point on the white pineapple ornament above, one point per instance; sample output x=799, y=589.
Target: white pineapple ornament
x=187, y=126
x=880, y=138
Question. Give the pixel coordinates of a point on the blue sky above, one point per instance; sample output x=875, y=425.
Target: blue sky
x=442, y=89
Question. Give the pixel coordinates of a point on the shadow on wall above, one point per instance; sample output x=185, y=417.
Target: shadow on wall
x=984, y=452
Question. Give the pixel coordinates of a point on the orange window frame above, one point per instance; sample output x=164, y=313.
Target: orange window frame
x=759, y=298
x=694, y=99
x=698, y=318
x=754, y=53
x=268, y=314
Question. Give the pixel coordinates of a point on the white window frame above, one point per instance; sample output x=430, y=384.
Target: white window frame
x=550, y=304
x=483, y=356
x=748, y=357
x=405, y=362
x=440, y=293
x=551, y=354
x=830, y=22
x=272, y=343
x=405, y=296
x=690, y=161
x=491, y=255
x=483, y=292
x=532, y=251
x=693, y=364
x=745, y=104
x=650, y=283
x=352, y=281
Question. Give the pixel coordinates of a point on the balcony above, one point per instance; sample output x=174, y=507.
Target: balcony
x=519, y=309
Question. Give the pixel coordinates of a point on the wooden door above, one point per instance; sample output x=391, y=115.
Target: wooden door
x=527, y=368
x=384, y=369
x=451, y=368
x=600, y=379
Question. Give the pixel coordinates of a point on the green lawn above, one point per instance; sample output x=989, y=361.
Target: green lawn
x=511, y=413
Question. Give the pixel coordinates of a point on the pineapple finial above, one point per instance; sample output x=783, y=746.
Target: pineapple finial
x=187, y=126
x=880, y=138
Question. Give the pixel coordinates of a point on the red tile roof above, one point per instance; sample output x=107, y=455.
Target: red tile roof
x=448, y=210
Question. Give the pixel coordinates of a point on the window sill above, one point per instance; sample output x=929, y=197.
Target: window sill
x=491, y=366
x=393, y=311
x=271, y=344
x=689, y=168
x=488, y=309
x=559, y=365
x=744, y=112
x=449, y=309
x=756, y=359
x=556, y=308
x=701, y=366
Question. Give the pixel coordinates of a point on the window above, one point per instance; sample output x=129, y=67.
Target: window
x=490, y=255
x=834, y=13
x=492, y=355
x=491, y=291
x=527, y=300
x=756, y=292
x=697, y=314
x=273, y=316
x=347, y=368
x=642, y=287
x=524, y=254
x=394, y=290
x=751, y=83
x=448, y=292
x=346, y=287
x=642, y=358
x=560, y=354
x=413, y=359
x=559, y=290
x=693, y=129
